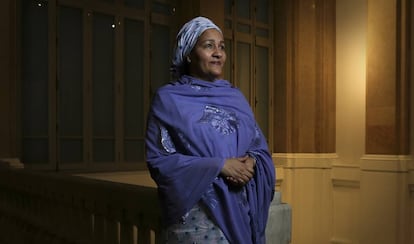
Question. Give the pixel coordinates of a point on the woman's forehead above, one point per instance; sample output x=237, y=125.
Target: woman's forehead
x=211, y=34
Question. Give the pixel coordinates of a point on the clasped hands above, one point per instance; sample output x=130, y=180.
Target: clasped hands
x=238, y=171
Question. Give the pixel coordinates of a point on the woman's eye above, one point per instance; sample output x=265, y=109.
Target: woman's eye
x=213, y=45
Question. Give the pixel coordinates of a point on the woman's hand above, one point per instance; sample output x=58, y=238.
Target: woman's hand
x=238, y=171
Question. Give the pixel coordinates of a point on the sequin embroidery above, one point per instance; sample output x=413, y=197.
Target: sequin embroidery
x=196, y=87
x=210, y=197
x=166, y=141
x=220, y=119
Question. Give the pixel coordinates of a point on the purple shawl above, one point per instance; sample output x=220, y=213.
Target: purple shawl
x=193, y=126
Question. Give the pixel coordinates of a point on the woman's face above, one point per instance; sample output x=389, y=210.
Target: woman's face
x=208, y=56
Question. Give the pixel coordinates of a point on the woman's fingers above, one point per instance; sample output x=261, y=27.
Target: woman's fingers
x=238, y=171
x=244, y=158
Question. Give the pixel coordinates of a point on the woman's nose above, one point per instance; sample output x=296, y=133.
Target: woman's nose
x=218, y=53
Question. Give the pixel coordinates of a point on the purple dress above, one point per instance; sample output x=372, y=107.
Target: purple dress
x=193, y=126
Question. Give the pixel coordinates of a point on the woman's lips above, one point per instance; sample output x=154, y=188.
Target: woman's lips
x=216, y=63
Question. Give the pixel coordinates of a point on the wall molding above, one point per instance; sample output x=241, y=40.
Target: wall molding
x=305, y=160
x=386, y=163
x=346, y=175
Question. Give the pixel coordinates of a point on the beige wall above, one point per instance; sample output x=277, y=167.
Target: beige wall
x=351, y=40
x=364, y=191
x=351, y=28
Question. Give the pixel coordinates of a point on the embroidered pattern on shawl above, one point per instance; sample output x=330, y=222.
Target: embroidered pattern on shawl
x=166, y=141
x=220, y=119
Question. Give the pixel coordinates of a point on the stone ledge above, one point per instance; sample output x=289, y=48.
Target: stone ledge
x=11, y=163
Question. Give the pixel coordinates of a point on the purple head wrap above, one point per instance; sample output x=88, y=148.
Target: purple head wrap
x=187, y=38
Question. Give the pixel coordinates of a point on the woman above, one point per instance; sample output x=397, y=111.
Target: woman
x=205, y=151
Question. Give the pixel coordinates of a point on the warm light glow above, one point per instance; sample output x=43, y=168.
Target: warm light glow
x=351, y=79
